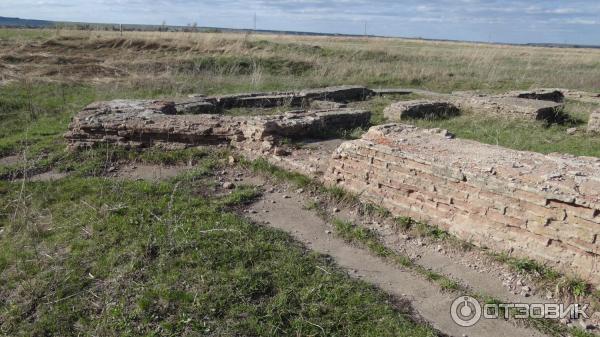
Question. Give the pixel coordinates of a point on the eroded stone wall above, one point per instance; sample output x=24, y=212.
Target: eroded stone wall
x=135, y=124
x=511, y=106
x=538, y=206
x=199, y=104
x=582, y=96
x=553, y=95
x=537, y=105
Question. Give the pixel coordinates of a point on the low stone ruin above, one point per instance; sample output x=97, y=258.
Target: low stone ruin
x=581, y=96
x=511, y=106
x=545, y=207
x=136, y=124
x=214, y=104
x=558, y=95
x=538, y=105
x=337, y=94
x=594, y=122
x=422, y=109
x=553, y=95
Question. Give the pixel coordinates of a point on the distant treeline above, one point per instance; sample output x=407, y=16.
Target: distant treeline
x=193, y=27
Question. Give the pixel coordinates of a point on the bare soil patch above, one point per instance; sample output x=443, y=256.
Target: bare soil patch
x=48, y=176
x=148, y=172
x=10, y=160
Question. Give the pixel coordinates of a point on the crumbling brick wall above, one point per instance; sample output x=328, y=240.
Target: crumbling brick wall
x=200, y=104
x=145, y=123
x=544, y=207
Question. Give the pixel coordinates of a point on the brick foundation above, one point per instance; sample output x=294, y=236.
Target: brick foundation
x=538, y=206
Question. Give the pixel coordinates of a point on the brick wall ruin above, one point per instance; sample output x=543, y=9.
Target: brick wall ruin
x=542, y=105
x=135, y=124
x=507, y=105
x=545, y=207
x=199, y=104
x=553, y=95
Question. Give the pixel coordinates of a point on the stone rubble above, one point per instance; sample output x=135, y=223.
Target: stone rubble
x=594, y=122
x=545, y=207
x=582, y=96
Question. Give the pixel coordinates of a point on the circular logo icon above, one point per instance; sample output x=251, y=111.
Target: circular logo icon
x=465, y=311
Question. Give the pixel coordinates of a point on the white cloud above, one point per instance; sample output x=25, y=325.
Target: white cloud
x=468, y=19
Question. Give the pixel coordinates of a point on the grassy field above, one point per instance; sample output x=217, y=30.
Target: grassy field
x=204, y=62
x=89, y=255
x=94, y=256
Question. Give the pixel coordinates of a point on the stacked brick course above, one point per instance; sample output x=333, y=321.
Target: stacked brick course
x=544, y=207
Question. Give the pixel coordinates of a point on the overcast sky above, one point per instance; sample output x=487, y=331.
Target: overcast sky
x=575, y=21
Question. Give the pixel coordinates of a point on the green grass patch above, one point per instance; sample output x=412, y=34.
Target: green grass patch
x=369, y=239
x=264, y=167
x=421, y=229
x=527, y=266
x=84, y=256
x=519, y=134
x=242, y=195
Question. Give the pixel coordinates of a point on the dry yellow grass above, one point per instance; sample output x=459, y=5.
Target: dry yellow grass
x=213, y=62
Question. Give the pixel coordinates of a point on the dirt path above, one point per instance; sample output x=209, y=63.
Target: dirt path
x=284, y=210
x=472, y=268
